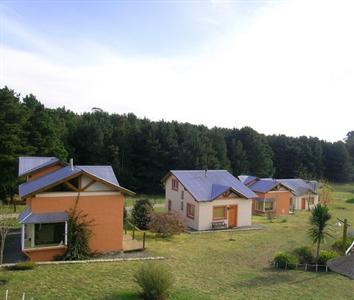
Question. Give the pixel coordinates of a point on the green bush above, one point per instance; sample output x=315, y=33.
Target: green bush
x=154, y=280
x=338, y=245
x=305, y=254
x=24, y=265
x=325, y=256
x=350, y=201
x=285, y=260
x=141, y=213
x=166, y=224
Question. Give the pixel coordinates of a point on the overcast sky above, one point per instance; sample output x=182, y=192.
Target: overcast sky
x=277, y=66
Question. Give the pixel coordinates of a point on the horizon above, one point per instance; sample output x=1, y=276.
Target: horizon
x=226, y=64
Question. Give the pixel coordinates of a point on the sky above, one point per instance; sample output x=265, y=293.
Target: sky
x=281, y=67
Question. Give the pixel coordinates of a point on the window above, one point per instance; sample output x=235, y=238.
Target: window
x=182, y=195
x=264, y=205
x=182, y=204
x=169, y=205
x=219, y=212
x=44, y=235
x=190, y=210
x=175, y=184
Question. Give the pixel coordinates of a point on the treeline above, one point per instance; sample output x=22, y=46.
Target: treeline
x=142, y=151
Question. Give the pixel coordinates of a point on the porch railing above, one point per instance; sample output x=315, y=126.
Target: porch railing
x=137, y=233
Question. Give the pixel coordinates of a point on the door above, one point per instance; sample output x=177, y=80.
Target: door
x=303, y=203
x=232, y=216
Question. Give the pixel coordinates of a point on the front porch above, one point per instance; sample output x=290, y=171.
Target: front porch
x=133, y=238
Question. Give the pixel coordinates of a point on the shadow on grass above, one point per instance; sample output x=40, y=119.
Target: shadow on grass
x=123, y=296
x=274, y=277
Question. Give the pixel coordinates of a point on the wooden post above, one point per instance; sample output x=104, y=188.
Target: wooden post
x=345, y=230
x=144, y=240
x=305, y=267
x=6, y=294
x=316, y=267
x=326, y=268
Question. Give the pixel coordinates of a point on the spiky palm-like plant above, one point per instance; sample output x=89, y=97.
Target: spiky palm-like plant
x=319, y=225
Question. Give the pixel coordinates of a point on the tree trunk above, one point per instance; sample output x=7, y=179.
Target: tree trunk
x=318, y=251
x=13, y=201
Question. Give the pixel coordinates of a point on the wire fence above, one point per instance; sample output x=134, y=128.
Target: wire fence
x=304, y=267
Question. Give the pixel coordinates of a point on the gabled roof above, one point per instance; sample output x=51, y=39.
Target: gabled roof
x=299, y=186
x=30, y=164
x=247, y=179
x=265, y=185
x=104, y=174
x=208, y=185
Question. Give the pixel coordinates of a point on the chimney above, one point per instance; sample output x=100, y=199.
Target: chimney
x=72, y=164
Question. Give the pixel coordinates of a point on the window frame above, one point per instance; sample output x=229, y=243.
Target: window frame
x=190, y=206
x=263, y=206
x=225, y=212
x=174, y=184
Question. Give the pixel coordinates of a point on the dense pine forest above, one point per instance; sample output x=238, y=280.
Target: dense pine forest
x=142, y=151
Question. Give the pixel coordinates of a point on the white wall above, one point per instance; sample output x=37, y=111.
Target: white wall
x=244, y=212
x=175, y=197
x=96, y=187
x=297, y=200
x=204, y=210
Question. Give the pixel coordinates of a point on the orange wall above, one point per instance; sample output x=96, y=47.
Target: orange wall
x=282, y=201
x=105, y=211
x=44, y=254
x=44, y=171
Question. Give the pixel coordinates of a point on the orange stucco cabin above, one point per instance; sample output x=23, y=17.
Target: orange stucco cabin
x=94, y=193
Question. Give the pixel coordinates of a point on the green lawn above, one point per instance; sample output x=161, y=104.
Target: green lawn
x=232, y=265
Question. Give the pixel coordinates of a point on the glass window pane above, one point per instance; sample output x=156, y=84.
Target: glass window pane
x=49, y=234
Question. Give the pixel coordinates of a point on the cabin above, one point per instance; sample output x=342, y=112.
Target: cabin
x=208, y=199
x=53, y=190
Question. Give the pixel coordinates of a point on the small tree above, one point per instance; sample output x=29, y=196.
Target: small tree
x=319, y=222
x=141, y=213
x=79, y=233
x=166, y=224
x=4, y=230
x=325, y=193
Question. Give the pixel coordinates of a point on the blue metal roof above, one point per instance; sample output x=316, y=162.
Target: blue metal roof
x=207, y=185
x=263, y=185
x=105, y=173
x=27, y=217
x=29, y=164
x=28, y=188
x=246, y=179
x=299, y=186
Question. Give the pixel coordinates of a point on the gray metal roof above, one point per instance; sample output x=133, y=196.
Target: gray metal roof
x=29, y=164
x=299, y=186
x=246, y=179
x=27, y=217
x=263, y=185
x=104, y=173
x=207, y=185
x=28, y=188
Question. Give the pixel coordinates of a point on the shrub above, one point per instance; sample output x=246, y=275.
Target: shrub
x=325, y=256
x=141, y=213
x=154, y=280
x=350, y=201
x=24, y=265
x=338, y=245
x=284, y=220
x=166, y=224
x=285, y=260
x=79, y=233
x=305, y=254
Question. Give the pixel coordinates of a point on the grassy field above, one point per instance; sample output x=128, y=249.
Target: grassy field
x=231, y=265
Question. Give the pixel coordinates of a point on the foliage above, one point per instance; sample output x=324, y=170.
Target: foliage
x=141, y=213
x=142, y=151
x=305, y=254
x=154, y=280
x=325, y=256
x=166, y=224
x=79, y=233
x=325, y=193
x=285, y=260
x=338, y=245
x=319, y=222
x=351, y=200
x=4, y=230
x=24, y=265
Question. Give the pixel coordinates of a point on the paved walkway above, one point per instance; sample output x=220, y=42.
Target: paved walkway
x=343, y=265
x=12, y=251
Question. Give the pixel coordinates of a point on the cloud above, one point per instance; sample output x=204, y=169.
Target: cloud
x=291, y=71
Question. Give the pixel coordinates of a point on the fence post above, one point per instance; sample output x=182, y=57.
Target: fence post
x=6, y=294
x=305, y=267
x=316, y=267
x=326, y=268
x=133, y=232
x=144, y=240
x=296, y=266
